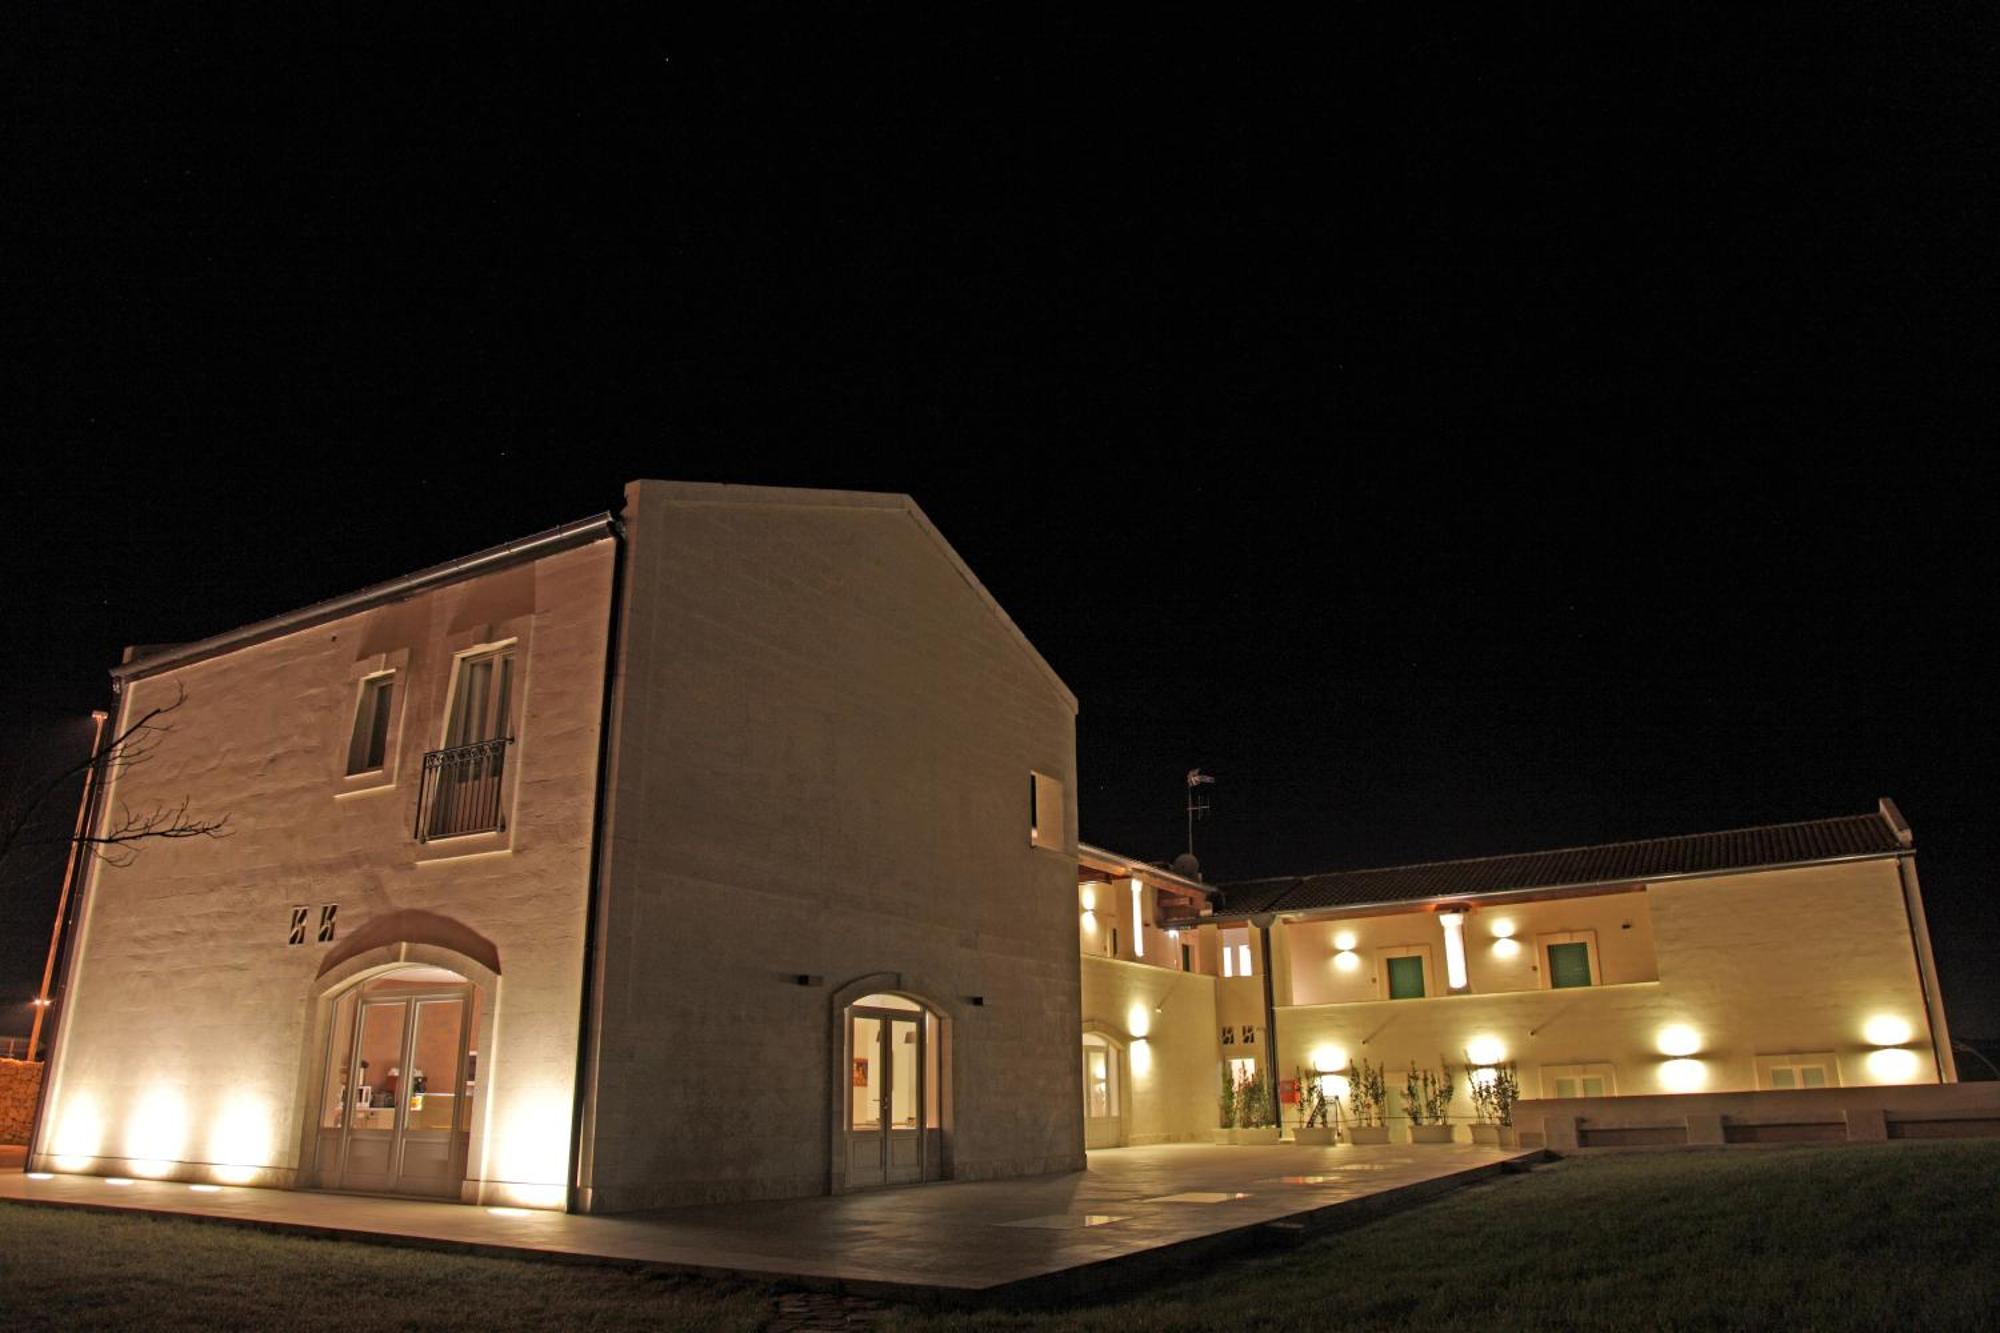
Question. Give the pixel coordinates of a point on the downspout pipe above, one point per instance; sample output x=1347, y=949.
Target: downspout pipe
x=1263, y=922
x=581, y=1118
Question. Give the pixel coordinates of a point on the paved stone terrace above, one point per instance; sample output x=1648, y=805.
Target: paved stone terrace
x=1135, y=1213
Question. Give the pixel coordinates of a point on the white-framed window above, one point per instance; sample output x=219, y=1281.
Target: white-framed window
x=1236, y=954
x=1567, y=958
x=1592, y=1080
x=1100, y=1077
x=482, y=698
x=1404, y=972
x=1243, y=1070
x=1798, y=1069
x=1047, y=821
x=374, y=708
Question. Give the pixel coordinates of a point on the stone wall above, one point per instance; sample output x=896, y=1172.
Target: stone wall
x=20, y=1080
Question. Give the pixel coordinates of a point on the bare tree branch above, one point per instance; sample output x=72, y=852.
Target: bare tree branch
x=22, y=816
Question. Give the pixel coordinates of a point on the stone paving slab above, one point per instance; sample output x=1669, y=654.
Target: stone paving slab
x=1134, y=1213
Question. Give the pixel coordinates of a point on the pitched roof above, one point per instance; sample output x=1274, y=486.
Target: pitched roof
x=1842, y=838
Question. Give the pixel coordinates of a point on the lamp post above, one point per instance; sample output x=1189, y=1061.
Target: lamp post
x=42, y=1001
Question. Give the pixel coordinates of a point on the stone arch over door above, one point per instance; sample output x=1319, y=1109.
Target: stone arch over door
x=363, y=957
x=943, y=1016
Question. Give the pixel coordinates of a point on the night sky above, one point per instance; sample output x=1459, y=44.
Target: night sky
x=1457, y=440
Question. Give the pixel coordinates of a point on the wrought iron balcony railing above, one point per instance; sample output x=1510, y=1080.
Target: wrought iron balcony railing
x=460, y=792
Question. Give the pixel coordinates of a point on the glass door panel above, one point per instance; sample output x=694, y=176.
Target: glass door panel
x=369, y=1162
x=906, y=1087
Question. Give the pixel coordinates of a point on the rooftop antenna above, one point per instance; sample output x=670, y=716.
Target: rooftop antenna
x=1197, y=803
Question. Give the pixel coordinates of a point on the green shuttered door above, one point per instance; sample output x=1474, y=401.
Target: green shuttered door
x=1406, y=978
x=1569, y=965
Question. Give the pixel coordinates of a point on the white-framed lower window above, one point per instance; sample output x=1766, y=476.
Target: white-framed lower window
x=1798, y=1069
x=1590, y=1080
x=1100, y=1077
x=1047, y=814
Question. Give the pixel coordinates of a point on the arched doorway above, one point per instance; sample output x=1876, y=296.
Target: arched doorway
x=1103, y=1092
x=399, y=1083
x=892, y=1110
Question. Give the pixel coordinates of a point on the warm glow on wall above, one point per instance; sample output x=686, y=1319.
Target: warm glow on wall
x=1892, y=1064
x=1887, y=1030
x=240, y=1142
x=1503, y=928
x=1347, y=960
x=1326, y=1059
x=1334, y=1085
x=1087, y=894
x=1683, y=1075
x=1506, y=947
x=1680, y=1039
x=1140, y=1055
x=1485, y=1050
x=1344, y=940
x=1138, y=1020
x=1454, y=948
x=156, y=1132
x=532, y=1150
x=79, y=1134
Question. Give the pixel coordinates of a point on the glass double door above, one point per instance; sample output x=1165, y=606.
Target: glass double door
x=886, y=1097
x=396, y=1116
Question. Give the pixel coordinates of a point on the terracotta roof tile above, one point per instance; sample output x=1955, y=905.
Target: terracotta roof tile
x=1610, y=863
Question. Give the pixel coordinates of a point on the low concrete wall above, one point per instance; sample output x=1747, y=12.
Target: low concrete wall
x=20, y=1081
x=1816, y=1115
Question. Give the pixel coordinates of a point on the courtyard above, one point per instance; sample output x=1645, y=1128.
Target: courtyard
x=1895, y=1235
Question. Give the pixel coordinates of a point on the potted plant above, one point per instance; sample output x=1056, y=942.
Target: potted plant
x=1495, y=1089
x=1427, y=1101
x=1254, y=1121
x=1226, y=1109
x=1369, y=1097
x=1314, y=1127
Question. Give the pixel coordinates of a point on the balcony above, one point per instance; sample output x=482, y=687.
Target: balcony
x=461, y=790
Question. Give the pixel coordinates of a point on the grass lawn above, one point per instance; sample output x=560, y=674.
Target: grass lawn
x=1897, y=1236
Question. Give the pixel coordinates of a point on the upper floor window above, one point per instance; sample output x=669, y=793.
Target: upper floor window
x=1569, y=959
x=1236, y=953
x=1045, y=812
x=368, y=748
x=481, y=699
x=464, y=787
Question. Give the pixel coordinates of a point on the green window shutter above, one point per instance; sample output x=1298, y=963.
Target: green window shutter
x=1406, y=978
x=1569, y=965
x=1781, y=1077
x=1565, y=1087
x=1812, y=1076
x=1593, y=1085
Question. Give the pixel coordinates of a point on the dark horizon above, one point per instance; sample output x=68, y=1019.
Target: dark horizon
x=1457, y=442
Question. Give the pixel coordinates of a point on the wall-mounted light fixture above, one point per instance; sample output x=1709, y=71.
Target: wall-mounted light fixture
x=1454, y=948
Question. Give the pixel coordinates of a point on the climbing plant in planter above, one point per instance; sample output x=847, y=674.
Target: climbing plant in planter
x=1495, y=1089
x=1254, y=1122
x=1315, y=1125
x=1226, y=1109
x=1368, y=1096
x=1427, y=1101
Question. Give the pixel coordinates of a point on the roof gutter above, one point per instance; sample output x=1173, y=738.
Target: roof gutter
x=1635, y=881
x=549, y=542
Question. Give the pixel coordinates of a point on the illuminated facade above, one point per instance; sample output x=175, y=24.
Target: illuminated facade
x=1792, y=957
x=726, y=849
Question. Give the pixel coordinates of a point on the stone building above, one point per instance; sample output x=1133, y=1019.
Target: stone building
x=726, y=848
